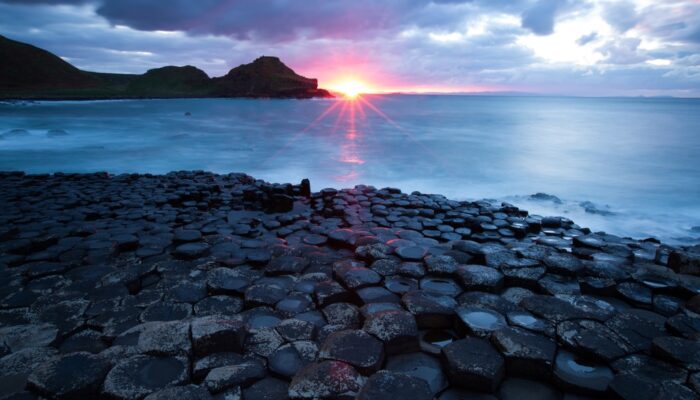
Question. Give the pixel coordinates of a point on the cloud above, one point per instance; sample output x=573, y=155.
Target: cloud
x=585, y=39
x=395, y=44
x=622, y=15
x=623, y=51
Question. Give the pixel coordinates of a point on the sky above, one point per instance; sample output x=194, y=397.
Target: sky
x=569, y=47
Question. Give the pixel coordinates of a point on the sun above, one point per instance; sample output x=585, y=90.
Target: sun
x=350, y=88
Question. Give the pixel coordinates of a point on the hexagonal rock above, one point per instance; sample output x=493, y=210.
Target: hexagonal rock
x=165, y=338
x=411, y=253
x=190, y=392
x=526, y=353
x=628, y=386
x=25, y=336
x=649, y=368
x=327, y=379
x=422, y=366
x=213, y=334
x=344, y=314
x=430, y=310
x=387, y=385
x=576, y=375
x=524, y=389
x=328, y=292
x=678, y=350
x=262, y=341
x=139, y=376
x=592, y=339
x=226, y=281
x=479, y=321
x=243, y=374
x=72, y=376
x=441, y=265
x=397, y=329
x=357, y=278
x=355, y=347
x=296, y=329
x=286, y=265
x=565, y=307
x=202, y=366
x=285, y=361
x=266, y=389
x=473, y=363
x=479, y=277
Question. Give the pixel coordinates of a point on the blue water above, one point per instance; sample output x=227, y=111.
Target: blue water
x=637, y=161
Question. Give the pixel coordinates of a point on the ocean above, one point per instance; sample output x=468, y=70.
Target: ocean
x=627, y=166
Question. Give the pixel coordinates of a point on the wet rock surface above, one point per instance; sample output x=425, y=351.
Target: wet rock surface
x=193, y=285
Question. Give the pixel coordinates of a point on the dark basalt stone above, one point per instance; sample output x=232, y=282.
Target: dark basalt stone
x=202, y=366
x=397, y=329
x=473, y=363
x=649, y=368
x=441, y=265
x=387, y=385
x=190, y=251
x=88, y=340
x=478, y=321
x=355, y=347
x=574, y=374
x=140, y=376
x=430, y=310
x=218, y=305
x=186, y=235
x=592, y=339
x=376, y=294
x=432, y=341
x=285, y=361
x=262, y=341
x=563, y=264
x=226, y=281
x=190, y=392
x=411, y=253
x=215, y=334
x=166, y=311
x=343, y=314
x=326, y=379
x=230, y=376
x=440, y=286
x=286, y=265
x=478, y=277
x=526, y=353
x=267, y=389
x=72, y=376
x=677, y=350
x=523, y=389
x=422, y=366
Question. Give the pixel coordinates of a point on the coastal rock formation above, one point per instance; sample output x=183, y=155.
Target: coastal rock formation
x=171, y=81
x=266, y=77
x=194, y=285
x=28, y=72
x=26, y=67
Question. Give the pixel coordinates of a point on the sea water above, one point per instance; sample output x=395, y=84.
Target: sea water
x=627, y=166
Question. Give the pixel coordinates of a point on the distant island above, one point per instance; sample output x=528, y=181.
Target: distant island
x=30, y=73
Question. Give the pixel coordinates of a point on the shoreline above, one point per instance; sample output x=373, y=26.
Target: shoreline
x=221, y=283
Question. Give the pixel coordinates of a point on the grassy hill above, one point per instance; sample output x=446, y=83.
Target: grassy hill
x=28, y=72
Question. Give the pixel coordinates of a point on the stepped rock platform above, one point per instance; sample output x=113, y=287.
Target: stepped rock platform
x=193, y=285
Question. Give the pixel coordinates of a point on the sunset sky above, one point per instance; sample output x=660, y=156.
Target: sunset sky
x=573, y=47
